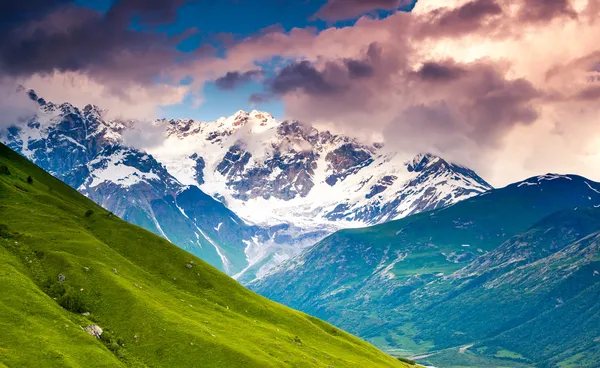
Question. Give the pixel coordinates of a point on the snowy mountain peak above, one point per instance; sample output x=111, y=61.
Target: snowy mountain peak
x=420, y=161
x=294, y=173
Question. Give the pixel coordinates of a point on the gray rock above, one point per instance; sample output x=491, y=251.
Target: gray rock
x=94, y=330
x=61, y=277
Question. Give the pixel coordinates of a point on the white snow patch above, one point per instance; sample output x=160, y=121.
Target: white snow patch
x=118, y=173
x=526, y=183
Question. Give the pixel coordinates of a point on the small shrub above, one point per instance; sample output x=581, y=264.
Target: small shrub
x=4, y=233
x=4, y=170
x=67, y=297
x=72, y=301
x=297, y=340
x=56, y=289
x=407, y=361
x=29, y=180
x=113, y=343
x=106, y=337
x=88, y=213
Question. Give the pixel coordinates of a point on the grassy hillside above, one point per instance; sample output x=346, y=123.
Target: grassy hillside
x=158, y=305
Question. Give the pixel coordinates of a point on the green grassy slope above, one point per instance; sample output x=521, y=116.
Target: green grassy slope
x=154, y=309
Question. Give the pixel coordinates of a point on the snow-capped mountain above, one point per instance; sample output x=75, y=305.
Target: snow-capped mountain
x=266, y=171
x=244, y=193
x=86, y=151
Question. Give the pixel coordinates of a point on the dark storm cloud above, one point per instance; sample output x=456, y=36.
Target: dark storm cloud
x=236, y=79
x=358, y=68
x=301, y=76
x=259, y=98
x=545, y=10
x=437, y=72
x=60, y=36
x=589, y=94
x=475, y=100
x=465, y=19
x=334, y=77
x=365, y=67
x=335, y=10
x=14, y=13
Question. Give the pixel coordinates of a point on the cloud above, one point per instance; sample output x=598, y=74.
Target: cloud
x=15, y=105
x=302, y=76
x=16, y=13
x=459, y=78
x=335, y=76
x=451, y=108
x=476, y=101
x=591, y=94
x=469, y=17
x=438, y=72
x=134, y=101
x=233, y=80
x=77, y=39
x=130, y=70
x=335, y=10
x=546, y=10
x=481, y=82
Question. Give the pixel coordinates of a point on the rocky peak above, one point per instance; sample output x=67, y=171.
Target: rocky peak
x=420, y=161
x=181, y=127
x=295, y=129
x=261, y=115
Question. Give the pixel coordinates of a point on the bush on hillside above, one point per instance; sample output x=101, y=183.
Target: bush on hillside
x=112, y=343
x=88, y=213
x=4, y=233
x=29, y=180
x=72, y=301
x=67, y=297
x=4, y=170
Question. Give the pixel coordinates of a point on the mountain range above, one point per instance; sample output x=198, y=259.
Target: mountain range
x=507, y=278
x=246, y=192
